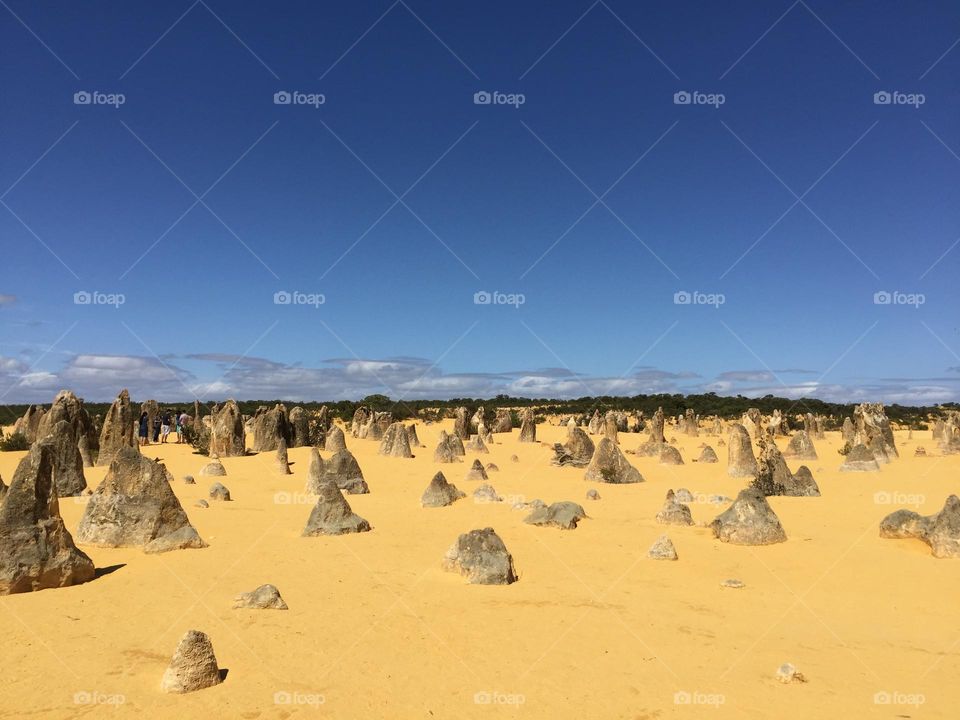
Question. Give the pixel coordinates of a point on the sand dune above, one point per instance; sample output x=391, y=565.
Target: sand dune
x=593, y=628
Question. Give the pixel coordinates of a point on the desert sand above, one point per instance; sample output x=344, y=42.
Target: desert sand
x=593, y=628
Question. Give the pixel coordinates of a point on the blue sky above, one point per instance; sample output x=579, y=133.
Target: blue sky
x=779, y=201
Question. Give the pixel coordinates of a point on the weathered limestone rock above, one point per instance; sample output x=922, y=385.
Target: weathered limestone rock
x=503, y=422
x=486, y=494
x=662, y=549
x=219, y=491
x=332, y=514
x=281, y=463
x=412, y=438
x=528, y=427
x=270, y=426
x=341, y=469
x=214, y=468
x=68, y=475
x=477, y=445
x=564, y=515
x=801, y=447
x=749, y=521
x=461, y=424
x=440, y=493
x=481, y=556
x=226, y=432
x=335, y=440
x=476, y=471
x=859, y=459
x=395, y=442
x=299, y=427
x=774, y=477
x=36, y=550
x=708, y=455
x=669, y=455
x=265, y=597
x=674, y=512
x=447, y=450
x=940, y=531
x=576, y=452
x=656, y=439
x=740, y=459
x=118, y=430
x=609, y=465
x=193, y=667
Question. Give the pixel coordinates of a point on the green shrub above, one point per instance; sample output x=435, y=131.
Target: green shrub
x=17, y=441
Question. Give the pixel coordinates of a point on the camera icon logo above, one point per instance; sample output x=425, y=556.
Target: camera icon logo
x=682, y=98
x=282, y=297
x=682, y=298
x=82, y=98
x=882, y=297
x=882, y=98
x=482, y=98
x=282, y=97
x=82, y=297
x=482, y=298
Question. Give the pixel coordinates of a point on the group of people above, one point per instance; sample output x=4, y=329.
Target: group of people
x=162, y=424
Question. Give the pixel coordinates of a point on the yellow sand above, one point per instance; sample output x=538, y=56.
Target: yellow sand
x=593, y=629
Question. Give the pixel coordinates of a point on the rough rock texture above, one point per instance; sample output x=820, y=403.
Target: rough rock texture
x=847, y=431
x=674, y=512
x=801, y=447
x=68, y=475
x=708, y=455
x=265, y=597
x=412, y=438
x=281, y=462
x=859, y=459
x=299, y=427
x=214, y=468
x=270, y=426
x=749, y=521
x=669, y=455
x=134, y=506
x=332, y=514
x=592, y=494
x=691, y=423
x=226, y=432
x=596, y=423
x=476, y=471
x=342, y=469
x=940, y=531
x=492, y=467
x=528, y=427
x=335, y=440
x=395, y=442
x=662, y=549
x=740, y=459
x=118, y=429
x=874, y=430
x=788, y=673
x=503, y=422
x=610, y=426
x=67, y=407
x=656, y=440
x=486, y=494
x=774, y=477
x=477, y=445
x=440, y=493
x=219, y=491
x=461, y=423
x=576, y=452
x=446, y=451
x=564, y=515
x=609, y=465
x=193, y=667
x=481, y=556
x=360, y=418
x=36, y=550
x=29, y=424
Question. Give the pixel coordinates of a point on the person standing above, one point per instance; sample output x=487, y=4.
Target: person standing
x=144, y=432
x=182, y=420
x=165, y=426
x=156, y=428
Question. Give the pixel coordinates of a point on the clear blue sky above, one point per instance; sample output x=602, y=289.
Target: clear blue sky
x=702, y=198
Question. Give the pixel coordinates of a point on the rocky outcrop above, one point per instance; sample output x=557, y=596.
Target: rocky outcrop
x=708, y=455
x=774, y=477
x=395, y=442
x=265, y=597
x=335, y=440
x=440, y=493
x=482, y=558
x=564, y=515
x=461, y=423
x=193, y=666
x=656, y=439
x=36, y=550
x=226, y=432
x=801, y=447
x=528, y=427
x=68, y=475
x=270, y=426
x=740, y=459
x=332, y=514
x=299, y=427
x=609, y=465
x=135, y=506
x=859, y=458
x=118, y=430
x=476, y=472
x=341, y=469
x=674, y=512
x=503, y=422
x=940, y=531
x=449, y=449
x=669, y=455
x=412, y=438
x=749, y=521
x=662, y=549
x=576, y=452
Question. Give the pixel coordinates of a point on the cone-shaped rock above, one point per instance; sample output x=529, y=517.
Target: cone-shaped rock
x=656, y=439
x=281, y=462
x=503, y=422
x=314, y=472
x=486, y=494
x=269, y=427
x=332, y=514
x=801, y=447
x=342, y=469
x=226, y=432
x=662, y=549
x=446, y=451
x=609, y=465
x=440, y=493
x=265, y=597
x=749, y=521
x=335, y=440
x=461, y=423
x=708, y=455
x=669, y=455
x=68, y=475
x=482, y=558
x=774, y=477
x=859, y=459
x=36, y=550
x=219, y=491
x=476, y=471
x=576, y=452
x=193, y=667
x=740, y=459
x=610, y=426
x=395, y=442
x=412, y=438
x=477, y=445
x=29, y=424
x=118, y=429
x=134, y=506
x=299, y=427
x=940, y=531
x=674, y=512
x=564, y=515
x=214, y=468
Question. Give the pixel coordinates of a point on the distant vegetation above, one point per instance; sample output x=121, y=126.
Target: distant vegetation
x=706, y=404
